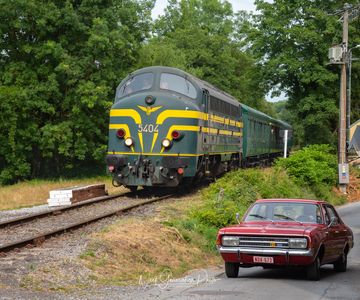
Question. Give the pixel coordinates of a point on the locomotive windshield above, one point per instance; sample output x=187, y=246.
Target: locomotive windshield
x=177, y=84
x=135, y=84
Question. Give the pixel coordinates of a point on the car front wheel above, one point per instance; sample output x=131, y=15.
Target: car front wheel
x=231, y=269
x=313, y=271
x=341, y=264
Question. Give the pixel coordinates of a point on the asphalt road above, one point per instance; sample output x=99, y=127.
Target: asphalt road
x=256, y=283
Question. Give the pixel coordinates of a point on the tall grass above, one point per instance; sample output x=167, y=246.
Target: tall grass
x=35, y=192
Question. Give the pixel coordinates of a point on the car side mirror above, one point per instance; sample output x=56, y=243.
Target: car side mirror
x=334, y=221
x=237, y=216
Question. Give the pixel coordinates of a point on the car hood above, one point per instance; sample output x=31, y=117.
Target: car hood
x=269, y=229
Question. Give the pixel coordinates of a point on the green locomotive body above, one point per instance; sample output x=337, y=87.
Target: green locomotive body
x=167, y=126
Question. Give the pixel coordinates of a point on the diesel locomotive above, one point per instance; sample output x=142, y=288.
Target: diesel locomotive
x=168, y=127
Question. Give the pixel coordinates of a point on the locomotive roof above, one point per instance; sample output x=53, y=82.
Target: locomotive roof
x=213, y=91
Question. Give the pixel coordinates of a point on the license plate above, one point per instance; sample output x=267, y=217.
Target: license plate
x=263, y=259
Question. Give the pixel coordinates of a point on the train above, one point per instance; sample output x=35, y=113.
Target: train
x=168, y=127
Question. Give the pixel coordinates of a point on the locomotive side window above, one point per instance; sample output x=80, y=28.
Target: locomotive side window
x=215, y=104
x=235, y=111
x=135, y=84
x=177, y=84
x=223, y=107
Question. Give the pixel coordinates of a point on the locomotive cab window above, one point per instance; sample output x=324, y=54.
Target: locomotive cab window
x=177, y=84
x=136, y=84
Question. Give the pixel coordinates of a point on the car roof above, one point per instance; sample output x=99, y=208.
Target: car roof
x=291, y=200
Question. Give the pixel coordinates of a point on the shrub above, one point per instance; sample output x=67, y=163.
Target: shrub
x=237, y=190
x=313, y=165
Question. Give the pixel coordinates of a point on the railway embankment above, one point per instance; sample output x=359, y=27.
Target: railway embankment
x=164, y=240
x=173, y=237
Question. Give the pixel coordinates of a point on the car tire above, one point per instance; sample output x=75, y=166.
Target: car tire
x=231, y=269
x=313, y=271
x=341, y=264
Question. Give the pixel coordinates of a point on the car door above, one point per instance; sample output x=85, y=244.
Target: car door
x=338, y=233
x=329, y=243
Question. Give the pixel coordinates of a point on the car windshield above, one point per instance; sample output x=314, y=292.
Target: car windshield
x=177, y=84
x=135, y=84
x=285, y=212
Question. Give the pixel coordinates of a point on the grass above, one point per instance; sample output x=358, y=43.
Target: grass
x=35, y=192
x=145, y=250
x=62, y=276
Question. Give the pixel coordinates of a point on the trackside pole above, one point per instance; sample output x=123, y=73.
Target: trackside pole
x=285, y=142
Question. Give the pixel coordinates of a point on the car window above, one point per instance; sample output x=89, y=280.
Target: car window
x=319, y=218
x=285, y=212
x=327, y=218
x=257, y=212
x=135, y=84
x=177, y=84
x=331, y=212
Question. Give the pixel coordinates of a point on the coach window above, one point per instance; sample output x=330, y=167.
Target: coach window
x=136, y=84
x=177, y=84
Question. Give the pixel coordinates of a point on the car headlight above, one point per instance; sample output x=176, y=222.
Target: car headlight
x=228, y=240
x=129, y=142
x=299, y=243
x=166, y=143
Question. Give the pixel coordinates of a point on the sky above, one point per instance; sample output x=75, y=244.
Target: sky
x=247, y=5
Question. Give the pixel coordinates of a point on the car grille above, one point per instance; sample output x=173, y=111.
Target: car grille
x=263, y=242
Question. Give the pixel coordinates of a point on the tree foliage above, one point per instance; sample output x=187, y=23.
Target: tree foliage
x=59, y=64
x=291, y=41
x=320, y=166
x=199, y=36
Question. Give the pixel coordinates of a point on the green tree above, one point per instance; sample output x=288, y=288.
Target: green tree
x=291, y=41
x=281, y=110
x=59, y=64
x=199, y=37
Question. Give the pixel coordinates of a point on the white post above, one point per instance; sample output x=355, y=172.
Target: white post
x=285, y=142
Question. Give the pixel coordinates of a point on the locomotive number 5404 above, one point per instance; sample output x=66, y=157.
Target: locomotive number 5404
x=148, y=128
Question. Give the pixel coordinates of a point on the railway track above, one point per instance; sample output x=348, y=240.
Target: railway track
x=33, y=229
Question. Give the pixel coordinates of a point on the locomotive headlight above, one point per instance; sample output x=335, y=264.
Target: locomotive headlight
x=129, y=142
x=166, y=143
x=150, y=100
x=300, y=243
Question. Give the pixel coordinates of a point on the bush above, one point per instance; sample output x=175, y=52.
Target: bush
x=237, y=190
x=313, y=165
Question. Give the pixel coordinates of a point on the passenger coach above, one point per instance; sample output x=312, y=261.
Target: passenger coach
x=167, y=127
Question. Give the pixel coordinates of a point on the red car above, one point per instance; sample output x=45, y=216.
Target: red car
x=286, y=232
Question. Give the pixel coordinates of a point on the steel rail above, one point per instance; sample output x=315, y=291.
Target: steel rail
x=39, y=238
x=30, y=217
